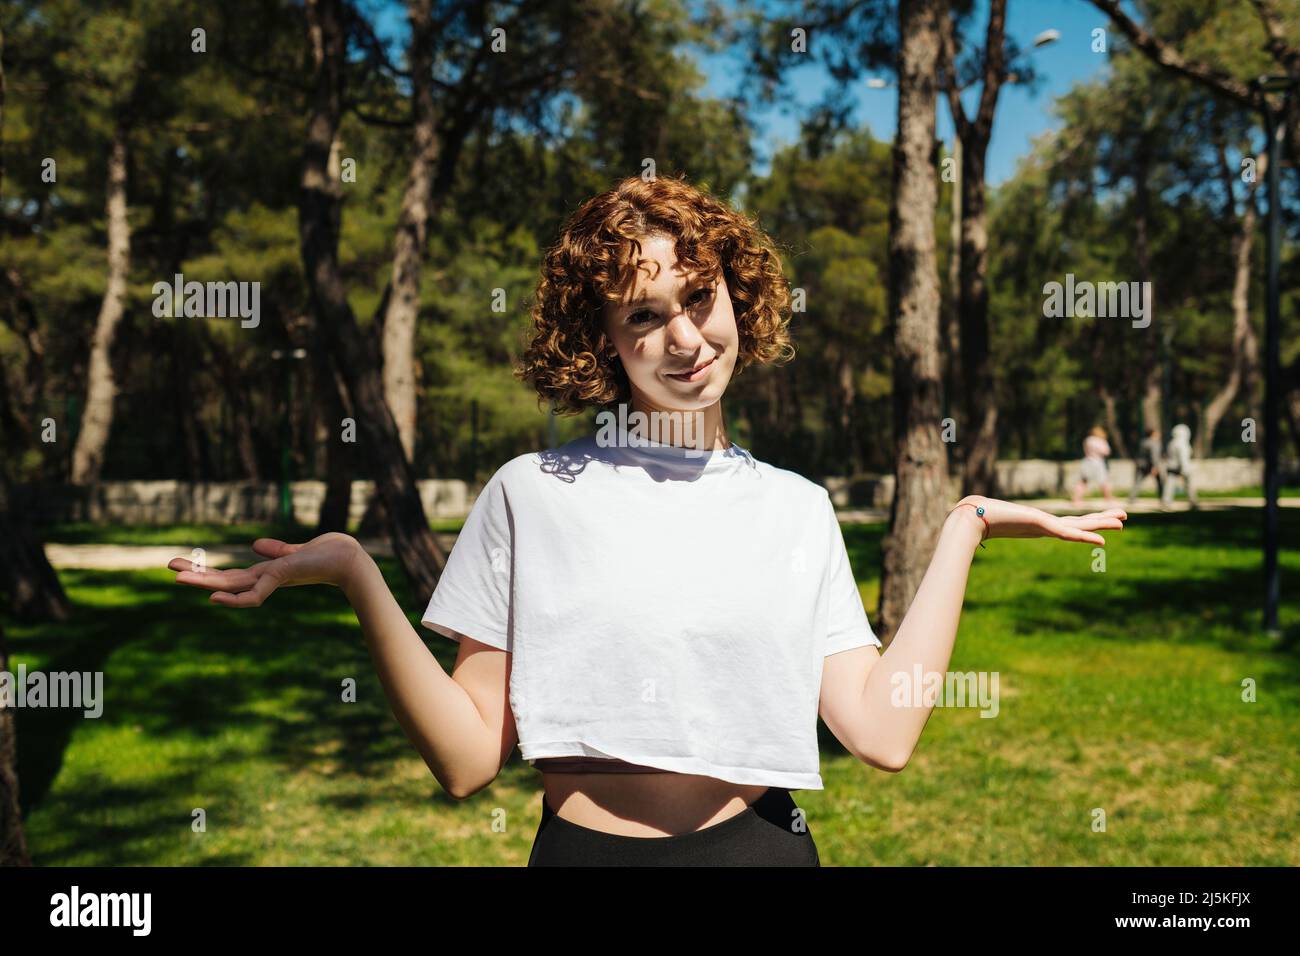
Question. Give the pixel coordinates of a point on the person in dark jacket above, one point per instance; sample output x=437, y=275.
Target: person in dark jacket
x=1150, y=462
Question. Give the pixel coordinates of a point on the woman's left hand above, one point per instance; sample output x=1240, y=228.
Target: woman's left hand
x=1009, y=520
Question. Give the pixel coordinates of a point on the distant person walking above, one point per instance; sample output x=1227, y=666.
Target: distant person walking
x=1092, y=471
x=1178, y=464
x=1150, y=462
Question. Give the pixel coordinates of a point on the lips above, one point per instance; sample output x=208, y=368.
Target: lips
x=690, y=374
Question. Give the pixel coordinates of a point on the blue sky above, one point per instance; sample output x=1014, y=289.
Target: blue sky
x=1022, y=114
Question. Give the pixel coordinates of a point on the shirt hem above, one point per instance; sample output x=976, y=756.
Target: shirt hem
x=757, y=776
x=852, y=641
x=451, y=625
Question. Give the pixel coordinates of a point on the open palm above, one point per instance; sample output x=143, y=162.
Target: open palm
x=325, y=559
x=1010, y=520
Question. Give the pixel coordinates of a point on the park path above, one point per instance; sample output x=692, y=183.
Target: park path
x=117, y=557
x=144, y=556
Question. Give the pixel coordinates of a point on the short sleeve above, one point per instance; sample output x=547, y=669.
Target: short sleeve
x=846, y=624
x=472, y=596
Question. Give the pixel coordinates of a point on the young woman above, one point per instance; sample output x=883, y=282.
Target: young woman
x=654, y=616
x=1092, y=470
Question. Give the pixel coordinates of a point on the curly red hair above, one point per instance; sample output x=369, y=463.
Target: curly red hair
x=570, y=361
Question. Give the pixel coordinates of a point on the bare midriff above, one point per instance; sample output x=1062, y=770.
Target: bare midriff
x=644, y=804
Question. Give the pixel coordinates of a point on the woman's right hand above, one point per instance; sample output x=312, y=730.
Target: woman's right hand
x=326, y=559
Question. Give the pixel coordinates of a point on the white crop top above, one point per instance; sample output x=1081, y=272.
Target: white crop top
x=664, y=606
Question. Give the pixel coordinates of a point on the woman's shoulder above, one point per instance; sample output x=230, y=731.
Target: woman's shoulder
x=518, y=468
x=532, y=467
x=792, y=485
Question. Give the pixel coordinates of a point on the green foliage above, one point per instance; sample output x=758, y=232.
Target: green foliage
x=215, y=155
x=1074, y=207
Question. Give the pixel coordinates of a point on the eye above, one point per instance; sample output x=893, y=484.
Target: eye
x=702, y=295
x=646, y=316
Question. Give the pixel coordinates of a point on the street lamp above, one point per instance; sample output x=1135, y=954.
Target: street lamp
x=289, y=355
x=1046, y=38
x=1272, y=358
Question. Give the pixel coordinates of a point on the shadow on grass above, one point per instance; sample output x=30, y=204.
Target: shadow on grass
x=176, y=666
x=139, y=814
x=1190, y=578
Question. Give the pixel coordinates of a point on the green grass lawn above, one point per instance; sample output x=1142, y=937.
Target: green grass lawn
x=1120, y=692
x=1250, y=491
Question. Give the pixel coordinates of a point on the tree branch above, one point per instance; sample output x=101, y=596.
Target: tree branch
x=948, y=65
x=995, y=57
x=1166, y=56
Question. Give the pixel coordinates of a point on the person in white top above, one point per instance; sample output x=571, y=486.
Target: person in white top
x=654, y=600
x=1178, y=464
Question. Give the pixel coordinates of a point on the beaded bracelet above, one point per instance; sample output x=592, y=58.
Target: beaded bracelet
x=979, y=510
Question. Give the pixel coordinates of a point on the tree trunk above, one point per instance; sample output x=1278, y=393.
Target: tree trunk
x=952, y=319
x=20, y=316
x=1245, y=347
x=920, y=462
x=412, y=228
x=185, y=377
x=13, y=844
x=101, y=389
x=331, y=392
x=1291, y=402
x=979, y=468
x=846, y=397
x=1152, y=392
x=979, y=475
x=352, y=353
x=241, y=411
x=1112, y=421
x=25, y=574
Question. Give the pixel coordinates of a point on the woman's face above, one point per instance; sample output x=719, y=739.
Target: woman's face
x=675, y=334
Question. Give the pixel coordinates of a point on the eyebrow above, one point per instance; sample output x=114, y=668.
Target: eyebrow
x=693, y=286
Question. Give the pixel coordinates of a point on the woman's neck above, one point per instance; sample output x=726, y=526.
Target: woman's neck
x=704, y=428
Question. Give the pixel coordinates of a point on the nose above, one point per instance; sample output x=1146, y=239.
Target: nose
x=683, y=338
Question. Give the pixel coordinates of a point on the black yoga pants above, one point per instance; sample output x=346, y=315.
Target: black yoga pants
x=766, y=833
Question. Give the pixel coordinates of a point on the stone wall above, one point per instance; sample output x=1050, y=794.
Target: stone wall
x=216, y=502
x=1039, y=478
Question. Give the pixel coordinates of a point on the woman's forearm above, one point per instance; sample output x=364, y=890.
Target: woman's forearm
x=438, y=715
x=923, y=641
